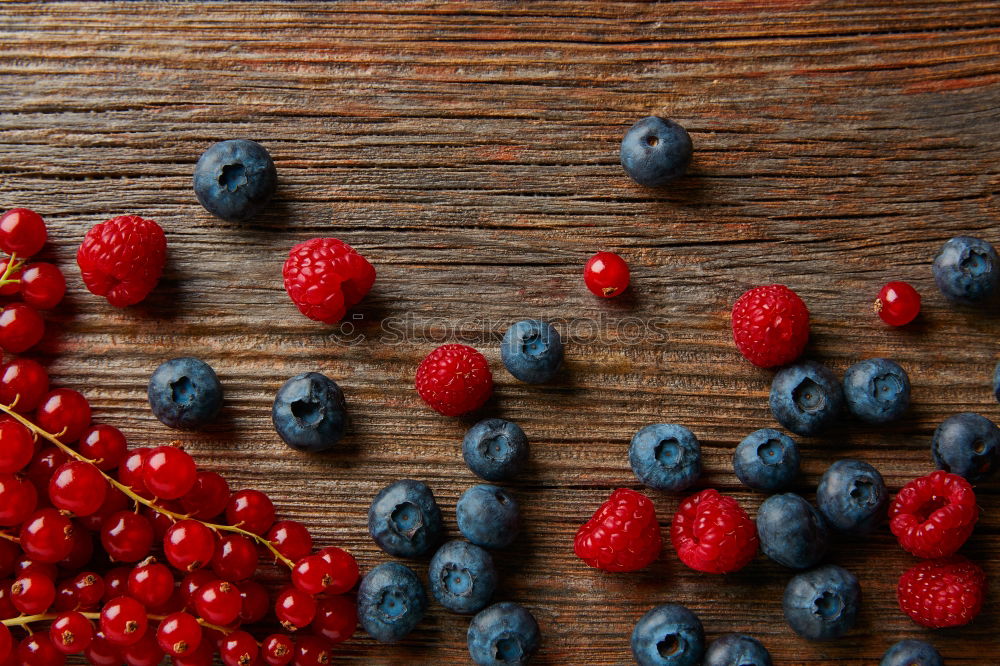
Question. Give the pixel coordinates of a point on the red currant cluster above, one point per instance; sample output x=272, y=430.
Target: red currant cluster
x=41, y=285
x=173, y=582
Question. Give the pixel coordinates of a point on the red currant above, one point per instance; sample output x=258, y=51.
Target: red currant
x=130, y=471
x=26, y=382
x=38, y=650
x=33, y=593
x=89, y=589
x=103, y=444
x=235, y=558
x=18, y=499
x=66, y=599
x=47, y=536
x=42, y=286
x=151, y=584
x=291, y=538
x=114, y=501
x=64, y=413
x=254, y=602
x=239, y=649
x=169, y=472
x=897, y=304
x=144, y=652
x=160, y=521
x=21, y=328
x=18, y=446
x=189, y=545
x=123, y=621
x=278, y=650
x=116, y=583
x=71, y=632
x=6, y=643
x=192, y=582
x=295, y=609
x=313, y=651
x=101, y=652
x=13, y=287
x=345, y=569
x=312, y=574
x=78, y=487
x=22, y=231
x=208, y=498
x=81, y=552
x=25, y=564
x=251, y=510
x=203, y=655
x=43, y=466
x=219, y=602
x=336, y=618
x=179, y=634
x=127, y=537
x=606, y=274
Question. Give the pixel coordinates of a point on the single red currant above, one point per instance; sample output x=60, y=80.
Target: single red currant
x=21, y=328
x=78, y=487
x=18, y=499
x=64, y=413
x=179, y=634
x=606, y=274
x=295, y=609
x=208, y=498
x=312, y=574
x=169, y=472
x=33, y=593
x=37, y=650
x=47, y=536
x=235, y=558
x=101, y=652
x=313, y=651
x=219, y=602
x=103, y=444
x=22, y=231
x=189, y=545
x=239, y=649
x=123, y=621
x=24, y=381
x=291, y=539
x=897, y=304
x=254, y=602
x=144, y=652
x=336, y=618
x=71, y=632
x=278, y=650
x=89, y=590
x=192, y=582
x=345, y=569
x=18, y=446
x=251, y=510
x=130, y=471
x=127, y=537
x=42, y=286
x=151, y=584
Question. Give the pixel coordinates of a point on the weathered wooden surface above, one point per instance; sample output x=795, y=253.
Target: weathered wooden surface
x=470, y=152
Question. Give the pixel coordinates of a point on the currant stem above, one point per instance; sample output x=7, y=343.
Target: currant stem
x=13, y=265
x=25, y=620
x=9, y=537
x=54, y=439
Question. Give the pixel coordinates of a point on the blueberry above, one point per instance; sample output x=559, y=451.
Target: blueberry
x=309, y=412
x=495, y=449
x=391, y=601
x=852, y=496
x=504, y=633
x=766, y=460
x=823, y=603
x=404, y=519
x=966, y=444
x=806, y=398
x=532, y=351
x=967, y=270
x=668, y=635
x=911, y=652
x=736, y=650
x=234, y=179
x=996, y=382
x=488, y=516
x=462, y=576
x=877, y=390
x=655, y=151
x=665, y=456
x=185, y=393
x=791, y=531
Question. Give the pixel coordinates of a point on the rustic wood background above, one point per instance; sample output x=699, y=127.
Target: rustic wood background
x=470, y=151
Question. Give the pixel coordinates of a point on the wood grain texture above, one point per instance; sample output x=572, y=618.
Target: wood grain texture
x=470, y=151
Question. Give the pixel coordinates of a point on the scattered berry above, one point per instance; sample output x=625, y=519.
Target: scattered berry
x=185, y=393
x=454, y=380
x=309, y=412
x=712, y=533
x=495, y=449
x=325, y=277
x=668, y=635
x=42, y=286
x=22, y=231
x=488, y=516
x=532, y=351
x=122, y=259
x=606, y=275
x=911, y=652
x=852, y=496
x=877, y=390
x=823, y=603
x=504, y=633
x=947, y=592
x=770, y=325
x=665, y=456
x=391, y=602
x=897, y=304
x=806, y=398
x=766, y=460
x=736, y=650
x=235, y=179
x=622, y=535
x=21, y=328
x=966, y=444
x=404, y=519
x=462, y=577
x=934, y=515
x=655, y=151
x=967, y=270
x=792, y=532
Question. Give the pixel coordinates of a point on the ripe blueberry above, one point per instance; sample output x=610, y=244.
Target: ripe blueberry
x=806, y=398
x=791, y=531
x=877, y=390
x=737, y=650
x=823, y=603
x=495, y=449
x=488, y=516
x=504, y=633
x=966, y=444
x=404, y=519
x=665, y=456
x=655, y=151
x=185, y=393
x=911, y=652
x=532, y=351
x=462, y=576
x=967, y=270
x=766, y=460
x=309, y=412
x=852, y=497
x=234, y=179
x=668, y=635
x=391, y=602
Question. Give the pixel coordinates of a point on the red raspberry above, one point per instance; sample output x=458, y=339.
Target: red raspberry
x=934, y=515
x=454, y=379
x=942, y=593
x=324, y=277
x=622, y=535
x=770, y=325
x=122, y=259
x=712, y=533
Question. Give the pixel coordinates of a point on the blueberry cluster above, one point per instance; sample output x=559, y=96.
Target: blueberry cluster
x=671, y=635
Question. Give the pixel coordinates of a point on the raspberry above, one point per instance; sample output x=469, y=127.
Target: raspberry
x=712, y=533
x=934, y=515
x=122, y=259
x=324, y=277
x=947, y=592
x=454, y=380
x=770, y=325
x=622, y=535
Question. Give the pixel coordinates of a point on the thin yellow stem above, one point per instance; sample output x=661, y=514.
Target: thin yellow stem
x=9, y=537
x=13, y=265
x=54, y=439
x=25, y=620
